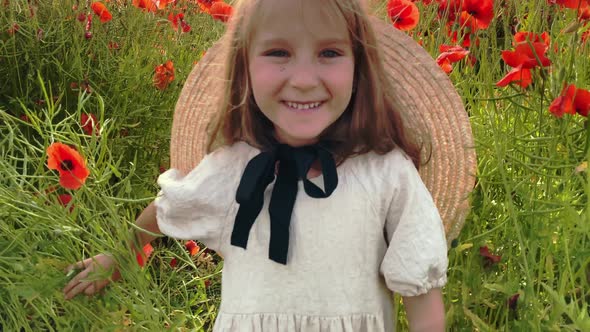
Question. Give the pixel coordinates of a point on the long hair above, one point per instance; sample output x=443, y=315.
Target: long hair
x=371, y=121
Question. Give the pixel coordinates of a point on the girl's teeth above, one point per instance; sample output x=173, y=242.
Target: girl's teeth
x=303, y=106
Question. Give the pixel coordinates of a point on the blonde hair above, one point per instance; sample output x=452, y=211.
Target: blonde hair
x=371, y=122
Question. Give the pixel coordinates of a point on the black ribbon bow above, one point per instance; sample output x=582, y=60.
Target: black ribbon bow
x=294, y=163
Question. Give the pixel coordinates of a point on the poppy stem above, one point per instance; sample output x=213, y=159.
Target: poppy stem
x=587, y=126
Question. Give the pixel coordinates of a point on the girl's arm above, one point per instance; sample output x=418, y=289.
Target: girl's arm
x=425, y=312
x=146, y=220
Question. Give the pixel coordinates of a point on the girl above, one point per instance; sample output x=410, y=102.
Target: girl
x=310, y=191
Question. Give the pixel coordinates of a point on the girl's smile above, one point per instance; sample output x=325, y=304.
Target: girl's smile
x=304, y=107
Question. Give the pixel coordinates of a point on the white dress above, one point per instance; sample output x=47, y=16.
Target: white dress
x=379, y=232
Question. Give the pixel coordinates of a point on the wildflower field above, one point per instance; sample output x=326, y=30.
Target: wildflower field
x=87, y=93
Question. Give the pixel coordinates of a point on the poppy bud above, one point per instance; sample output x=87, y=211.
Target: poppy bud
x=88, y=35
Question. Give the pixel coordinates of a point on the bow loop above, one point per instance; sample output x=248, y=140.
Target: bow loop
x=293, y=164
x=258, y=172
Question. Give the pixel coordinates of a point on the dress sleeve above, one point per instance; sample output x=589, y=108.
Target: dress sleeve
x=195, y=206
x=416, y=257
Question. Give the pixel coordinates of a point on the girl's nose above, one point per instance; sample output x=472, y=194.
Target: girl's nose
x=304, y=76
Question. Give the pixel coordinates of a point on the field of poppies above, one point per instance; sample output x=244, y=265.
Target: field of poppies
x=87, y=92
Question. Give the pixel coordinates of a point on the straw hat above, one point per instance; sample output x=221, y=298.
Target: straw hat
x=430, y=104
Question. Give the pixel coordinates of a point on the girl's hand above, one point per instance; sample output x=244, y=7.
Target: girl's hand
x=100, y=262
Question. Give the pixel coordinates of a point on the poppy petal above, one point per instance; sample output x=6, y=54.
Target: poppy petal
x=221, y=11
x=564, y=103
x=192, y=247
x=488, y=256
x=582, y=102
x=101, y=10
x=518, y=75
x=147, y=251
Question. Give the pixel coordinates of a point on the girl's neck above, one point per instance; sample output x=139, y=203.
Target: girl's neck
x=315, y=170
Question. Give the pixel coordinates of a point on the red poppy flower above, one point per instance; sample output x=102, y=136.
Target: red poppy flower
x=173, y=262
x=164, y=75
x=150, y=5
x=70, y=165
x=89, y=124
x=221, y=11
x=526, y=56
x=582, y=102
x=12, y=30
x=477, y=14
x=526, y=37
x=192, y=247
x=584, y=11
x=145, y=5
x=205, y=5
x=178, y=18
x=564, y=104
x=573, y=4
x=519, y=75
x=88, y=33
x=403, y=13
x=489, y=258
x=101, y=10
x=449, y=55
x=65, y=199
x=513, y=301
x=571, y=101
x=147, y=251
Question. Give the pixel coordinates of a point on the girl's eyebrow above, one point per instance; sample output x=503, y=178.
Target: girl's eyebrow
x=335, y=41
x=324, y=42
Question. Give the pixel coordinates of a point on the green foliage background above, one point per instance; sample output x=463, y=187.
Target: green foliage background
x=529, y=204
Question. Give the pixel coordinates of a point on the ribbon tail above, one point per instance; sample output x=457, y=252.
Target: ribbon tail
x=250, y=195
x=247, y=214
x=281, y=207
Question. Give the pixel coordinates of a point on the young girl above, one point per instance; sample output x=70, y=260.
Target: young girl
x=313, y=197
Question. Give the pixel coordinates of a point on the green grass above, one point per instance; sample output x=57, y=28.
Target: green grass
x=530, y=204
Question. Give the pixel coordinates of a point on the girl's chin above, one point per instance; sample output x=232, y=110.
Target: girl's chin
x=298, y=140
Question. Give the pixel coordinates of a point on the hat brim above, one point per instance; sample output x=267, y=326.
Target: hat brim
x=430, y=105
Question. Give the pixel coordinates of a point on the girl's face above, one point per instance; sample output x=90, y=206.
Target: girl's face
x=301, y=67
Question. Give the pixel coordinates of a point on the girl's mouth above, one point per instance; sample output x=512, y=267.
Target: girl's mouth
x=303, y=107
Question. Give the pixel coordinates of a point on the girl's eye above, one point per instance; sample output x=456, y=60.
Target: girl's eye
x=277, y=53
x=330, y=53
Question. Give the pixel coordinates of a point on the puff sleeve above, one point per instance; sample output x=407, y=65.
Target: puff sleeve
x=195, y=206
x=416, y=258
